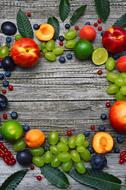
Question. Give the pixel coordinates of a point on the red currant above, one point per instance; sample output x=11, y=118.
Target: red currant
x=93, y=127
x=69, y=133
x=39, y=178
x=4, y=91
x=99, y=72
x=100, y=28
x=76, y=27
x=99, y=20
x=60, y=43
x=108, y=105
x=28, y=14
x=10, y=87
x=121, y=161
x=95, y=24
x=123, y=153
x=5, y=116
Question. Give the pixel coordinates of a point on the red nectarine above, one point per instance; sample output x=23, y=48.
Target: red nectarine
x=117, y=116
x=25, y=52
x=121, y=64
x=88, y=33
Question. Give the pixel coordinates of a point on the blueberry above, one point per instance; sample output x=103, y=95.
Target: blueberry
x=26, y=127
x=1, y=137
x=1, y=76
x=87, y=23
x=5, y=83
x=3, y=102
x=103, y=116
x=69, y=56
x=101, y=128
x=0, y=64
x=8, y=39
x=62, y=59
x=116, y=150
x=119, y=139
x=8, y=28
x=61, y=38
x=98, y=162
x=36, y=26
x=116, y=56
x=24, y=157
x=87, y=133
x=67, y=26
x=8, y=73
x=91, y=150
x=123, y=53
x=8, y=64
x=14, y=115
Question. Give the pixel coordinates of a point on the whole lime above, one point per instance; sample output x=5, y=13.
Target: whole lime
x=11, y=130
x=83, y=49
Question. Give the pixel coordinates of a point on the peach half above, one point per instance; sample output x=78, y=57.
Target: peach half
x=45, y=32
x=102, y=142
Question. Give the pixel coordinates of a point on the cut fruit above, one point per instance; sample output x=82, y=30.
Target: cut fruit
x=45, y=32
x=102, y=142
x=99, y=56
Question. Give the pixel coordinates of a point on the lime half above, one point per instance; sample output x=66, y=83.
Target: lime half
x=99, y=56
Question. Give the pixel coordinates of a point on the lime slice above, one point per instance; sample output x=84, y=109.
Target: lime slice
x=99, y=56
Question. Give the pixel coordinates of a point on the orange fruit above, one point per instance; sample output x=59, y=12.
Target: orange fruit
x=102, y=142
x=34, y=138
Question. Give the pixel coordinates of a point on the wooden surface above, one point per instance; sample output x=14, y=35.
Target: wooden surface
x=59, y=96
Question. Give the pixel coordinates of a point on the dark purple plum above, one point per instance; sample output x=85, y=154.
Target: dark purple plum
x=8, y=64
x=24, y=157
x=8, y=28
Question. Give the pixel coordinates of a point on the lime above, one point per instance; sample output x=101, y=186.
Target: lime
x=83, y=49
x=11, y=130
x=99, y=56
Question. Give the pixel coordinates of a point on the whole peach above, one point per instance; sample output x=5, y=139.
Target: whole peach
x=121, y=64
x=88, y=33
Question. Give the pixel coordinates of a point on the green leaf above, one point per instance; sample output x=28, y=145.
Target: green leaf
x=97, y=179
x=13, y=180
x=24, y=25
x=64, y=9
x=77, y=14
x=55, y=23
x=102, y=9
x=121, y=21
x=55, y=176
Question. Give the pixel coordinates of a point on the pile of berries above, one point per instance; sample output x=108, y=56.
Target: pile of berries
x=122, y=157
x=6, y=155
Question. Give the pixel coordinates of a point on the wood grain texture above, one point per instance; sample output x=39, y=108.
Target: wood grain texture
x=56, y=96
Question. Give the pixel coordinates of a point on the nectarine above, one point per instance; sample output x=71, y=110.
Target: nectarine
x=88, y=33
x=25, y=52
x=121, y=64
x=102, y=142
x=117, y=116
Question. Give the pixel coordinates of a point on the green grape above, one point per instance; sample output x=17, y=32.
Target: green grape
x=44, y=50
x=50, y=56
x=75, y=156
x=64, y=157
x=71, y=34
x=123, y=90
x=119, y=96
x=86, y=155
x=55, y=162
x=53, y=138
x=50, y=45
x=70, y=44
x=18, y=37
x=62, y=147
x=58, y=51
x=72, y=142
x=110, y=64
x=19, y=145
x=86, y=143
x=67, y=166
x=112, y=89
x=123, y=75
x=54, y=149
x=111, y=77
x=80, y=167
x=37, y=151
x=81, y=149
x=119, y=82
x=42, y=46
x=4, y=51
x=80, y=138
x=124, y=79
x=38, y=161
x=48, y=157
x=64, y=140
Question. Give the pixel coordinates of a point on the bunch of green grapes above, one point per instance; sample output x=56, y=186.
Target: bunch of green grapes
x=63, y=152
x=70, y=37
x=51, y=50
x=117, y=81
